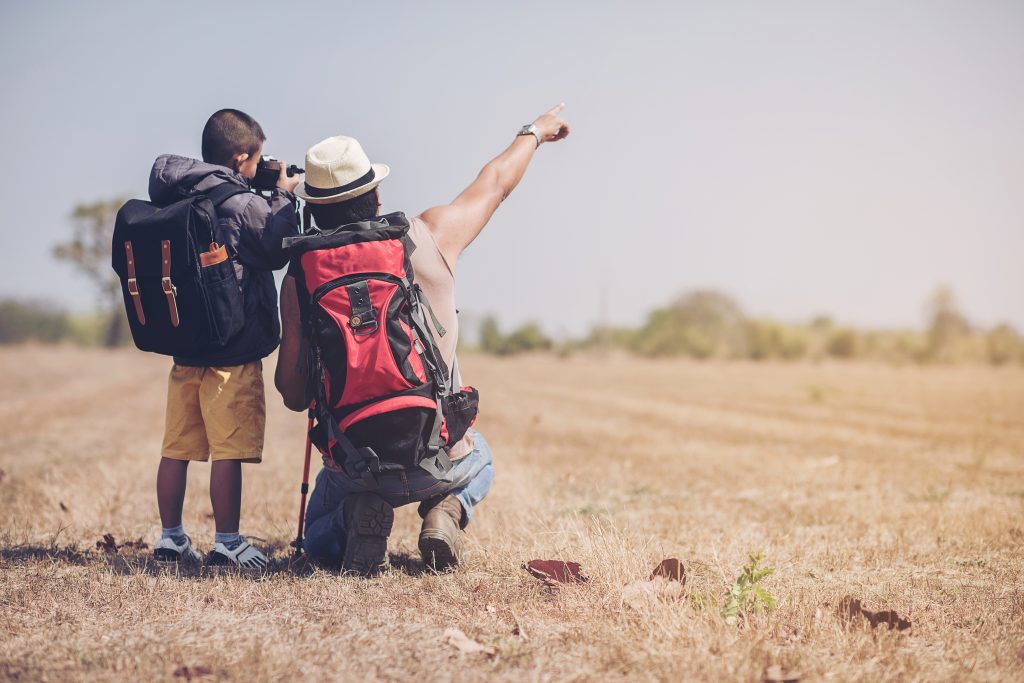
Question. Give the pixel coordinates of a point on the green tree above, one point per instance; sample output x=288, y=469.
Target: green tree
x=843, y=342
x=1004, y=345
x=703, y=323
x=768, y=339
x=528, y=337
x=24, y=320
x=88, y=251
x=947, y=325
x=491, y=340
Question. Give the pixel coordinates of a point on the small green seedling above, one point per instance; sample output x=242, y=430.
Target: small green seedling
x=746, y=593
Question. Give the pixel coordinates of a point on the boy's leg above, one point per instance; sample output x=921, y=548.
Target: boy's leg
x=234, y=412
x=171, y=478
x=184, y=441
x=226, y=494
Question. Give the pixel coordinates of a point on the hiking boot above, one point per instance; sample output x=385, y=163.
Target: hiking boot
x=243, y=555
x=441, y=534
x=166, y=550
x=368, y=522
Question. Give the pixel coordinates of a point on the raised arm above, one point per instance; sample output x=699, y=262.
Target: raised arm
x=456, y=225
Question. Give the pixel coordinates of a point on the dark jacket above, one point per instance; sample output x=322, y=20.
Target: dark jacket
x=252, y=229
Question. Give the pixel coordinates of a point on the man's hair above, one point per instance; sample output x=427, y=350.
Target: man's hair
x=229, y=132
x=361, y=208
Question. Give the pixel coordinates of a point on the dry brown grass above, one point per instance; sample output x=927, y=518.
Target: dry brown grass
x=903, y=487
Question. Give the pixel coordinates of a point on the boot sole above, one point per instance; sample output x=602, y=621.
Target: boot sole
x=437, y=553
x=366, y=541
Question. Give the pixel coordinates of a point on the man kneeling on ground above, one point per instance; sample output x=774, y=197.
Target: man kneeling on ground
x=348, y=520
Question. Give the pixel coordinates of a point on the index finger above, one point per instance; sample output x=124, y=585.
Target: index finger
x=556, y=109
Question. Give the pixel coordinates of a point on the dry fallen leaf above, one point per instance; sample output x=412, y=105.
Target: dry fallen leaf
x=137, y=544
x=110, y=545
x=851, y=607
x=556, y=571
x=776, y=674
x=190, y=672
x=463, y=643
x=671, y=569
x=107, y=544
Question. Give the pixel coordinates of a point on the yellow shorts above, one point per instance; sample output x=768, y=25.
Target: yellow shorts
x=217, y=413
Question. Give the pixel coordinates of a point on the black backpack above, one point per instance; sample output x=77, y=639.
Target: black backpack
x=179, y=284
x=384, y=394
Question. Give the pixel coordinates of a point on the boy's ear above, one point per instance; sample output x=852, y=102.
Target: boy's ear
x=238, y=160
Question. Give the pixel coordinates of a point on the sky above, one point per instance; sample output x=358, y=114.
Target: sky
x=841, y=158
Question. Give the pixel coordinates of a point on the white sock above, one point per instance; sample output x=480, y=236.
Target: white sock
x=230, y=539
x=175, y=533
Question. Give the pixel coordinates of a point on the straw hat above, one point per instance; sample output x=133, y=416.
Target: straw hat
x=338, y=169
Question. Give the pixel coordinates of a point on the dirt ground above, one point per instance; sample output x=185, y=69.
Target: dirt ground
x=902, y=487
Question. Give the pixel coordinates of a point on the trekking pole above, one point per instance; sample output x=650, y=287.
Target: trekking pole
x=304, y=489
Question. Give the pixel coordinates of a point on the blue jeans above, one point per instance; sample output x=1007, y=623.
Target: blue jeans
x=469, y=479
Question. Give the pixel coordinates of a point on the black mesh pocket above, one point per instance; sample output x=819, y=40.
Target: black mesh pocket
x=227, y=316
x=397, y=436
x=460, y=410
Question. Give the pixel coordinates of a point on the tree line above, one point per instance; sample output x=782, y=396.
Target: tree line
x=707, y=324
x=700, y=324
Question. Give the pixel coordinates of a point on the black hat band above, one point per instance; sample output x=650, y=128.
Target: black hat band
x=331, y=191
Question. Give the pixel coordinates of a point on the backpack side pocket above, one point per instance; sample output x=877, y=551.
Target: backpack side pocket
x=225, y=296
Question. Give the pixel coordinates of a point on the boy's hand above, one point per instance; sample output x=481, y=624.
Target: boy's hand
x=286, y=183
x=550, y=126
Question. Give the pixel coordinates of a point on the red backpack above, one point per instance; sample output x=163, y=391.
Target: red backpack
x=383, y=397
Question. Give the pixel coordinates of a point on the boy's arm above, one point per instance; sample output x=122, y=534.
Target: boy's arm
x=263, y=224
x=456, y=225
x=292, y=373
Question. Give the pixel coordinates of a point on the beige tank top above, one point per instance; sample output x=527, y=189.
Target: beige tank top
x=437, y=278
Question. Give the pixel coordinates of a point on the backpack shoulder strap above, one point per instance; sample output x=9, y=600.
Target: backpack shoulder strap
x=222, y=192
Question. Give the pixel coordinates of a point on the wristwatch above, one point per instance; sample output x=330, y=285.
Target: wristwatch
x=530, y=129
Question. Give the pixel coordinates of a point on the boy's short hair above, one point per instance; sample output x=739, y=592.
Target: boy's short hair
x=229, y=132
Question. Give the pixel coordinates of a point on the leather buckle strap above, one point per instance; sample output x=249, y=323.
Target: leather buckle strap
x=363, y=314
x=133, y=283
x=170, y=291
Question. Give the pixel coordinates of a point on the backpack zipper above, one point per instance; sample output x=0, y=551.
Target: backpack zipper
x=321, y=291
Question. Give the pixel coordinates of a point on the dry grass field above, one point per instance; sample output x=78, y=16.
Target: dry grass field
x=902, y=487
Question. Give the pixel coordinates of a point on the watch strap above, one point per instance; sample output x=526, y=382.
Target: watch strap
x=531, y=129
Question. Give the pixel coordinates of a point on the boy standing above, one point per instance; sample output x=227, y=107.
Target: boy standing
x=216, y=408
